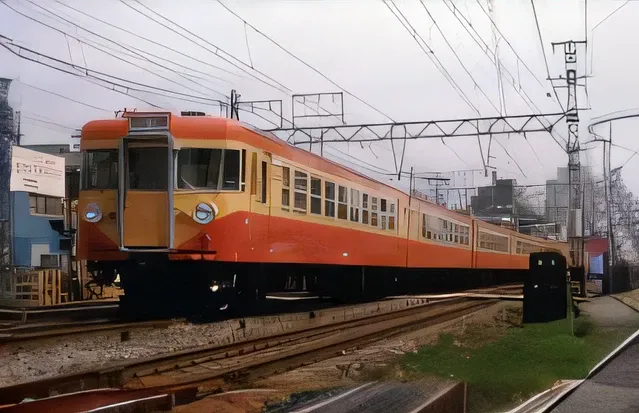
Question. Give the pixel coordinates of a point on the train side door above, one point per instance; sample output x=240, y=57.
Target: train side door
x=260, y=200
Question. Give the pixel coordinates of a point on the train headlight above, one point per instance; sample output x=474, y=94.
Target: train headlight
x=204, y=213
x=92, y=212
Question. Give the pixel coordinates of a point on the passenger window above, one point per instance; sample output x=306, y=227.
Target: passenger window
x=342, y=203
x=329, y=203
x=316, y=195
x=301, y=185
x=286, y=190
x=354, y=205
x=217, y=169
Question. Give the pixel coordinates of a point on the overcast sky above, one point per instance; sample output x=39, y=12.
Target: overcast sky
x=359, y=45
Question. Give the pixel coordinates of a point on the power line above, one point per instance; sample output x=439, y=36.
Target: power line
x=508, y=43
x=279, y=86
x=543, y=51
x=108, y=53
x=304, y=62
x=456, y=55
x=64, y=97
x=147, y=39
x=48, y=121
x=430, y=54
x=495, y=60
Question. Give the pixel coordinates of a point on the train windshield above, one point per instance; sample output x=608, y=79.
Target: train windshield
x=216, y=169
x=100, y=170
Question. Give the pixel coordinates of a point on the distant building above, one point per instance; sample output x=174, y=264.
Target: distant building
x=495, y=203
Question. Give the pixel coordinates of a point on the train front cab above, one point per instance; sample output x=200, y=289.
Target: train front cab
x=156, y=216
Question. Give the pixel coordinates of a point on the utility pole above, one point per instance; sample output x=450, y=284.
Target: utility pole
x=575, y=229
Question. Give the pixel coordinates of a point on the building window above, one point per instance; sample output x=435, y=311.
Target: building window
x=45, y=205
x=342, y=202
x=301, y=188
x=316, y=195
x=329, y=204
x=354, y=205
x=286, y=188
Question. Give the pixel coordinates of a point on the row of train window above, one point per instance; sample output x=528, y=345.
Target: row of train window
x=336, y=201
x=439, y=229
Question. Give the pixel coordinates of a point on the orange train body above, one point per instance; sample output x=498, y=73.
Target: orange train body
x=290, y=207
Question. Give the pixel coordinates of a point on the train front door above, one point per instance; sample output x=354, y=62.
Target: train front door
x=146, y=193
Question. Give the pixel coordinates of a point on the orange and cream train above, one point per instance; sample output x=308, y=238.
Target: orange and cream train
x=187, y=207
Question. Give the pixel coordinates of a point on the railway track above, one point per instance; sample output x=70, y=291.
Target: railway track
x=44, y=330
x=189, y=371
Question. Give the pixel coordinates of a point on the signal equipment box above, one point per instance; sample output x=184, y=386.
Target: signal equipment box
x=545, y=288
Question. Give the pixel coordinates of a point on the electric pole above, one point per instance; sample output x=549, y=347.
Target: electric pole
x=575, y=210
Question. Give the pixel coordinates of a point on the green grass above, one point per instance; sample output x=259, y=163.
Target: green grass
x=520, y=363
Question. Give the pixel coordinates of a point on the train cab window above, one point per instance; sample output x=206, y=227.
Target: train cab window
x=424, y=225
x=383, y=205
x=100, y=169
x=383, y=221
x=216, y=169
x=286, y=188
x=354, y=205
x=365, y=212
x=391, y=222
x=374, y=203
x=316, y=195
x=329, y=203
x=342, y=202
x=301, y=188
x=148, y=169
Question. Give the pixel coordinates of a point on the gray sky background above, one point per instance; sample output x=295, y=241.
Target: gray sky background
x=358, y=44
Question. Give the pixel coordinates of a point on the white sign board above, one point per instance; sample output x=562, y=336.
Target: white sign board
x=37, y=172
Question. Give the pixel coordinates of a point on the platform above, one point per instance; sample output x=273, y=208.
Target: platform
x=388, y=396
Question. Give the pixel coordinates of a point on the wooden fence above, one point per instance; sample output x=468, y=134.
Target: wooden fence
x=32, y=288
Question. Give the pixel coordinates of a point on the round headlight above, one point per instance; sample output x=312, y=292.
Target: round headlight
x=203, y=213
x=92, y=212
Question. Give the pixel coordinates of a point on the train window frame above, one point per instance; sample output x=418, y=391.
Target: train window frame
x=240, y=175
x=391, y=215
x=354, y=205
x=286, y=189
x=316, y=198
x=342, y=202
x=365, y=208
x=329, y=202
x=303, y=178
x=86, y=171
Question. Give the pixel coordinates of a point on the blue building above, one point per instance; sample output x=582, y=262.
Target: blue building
x=37, y=220
x=35, y=243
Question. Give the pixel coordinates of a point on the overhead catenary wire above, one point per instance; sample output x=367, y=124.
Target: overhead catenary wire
x=139, y=36
x=232, y=60
x=459, y=16
x=119, y=44
x=415, y=35
x=64, y=97
x=23, y=116
x=90, y=73
x=543, y=51
x=308, y=65
x=452, y=49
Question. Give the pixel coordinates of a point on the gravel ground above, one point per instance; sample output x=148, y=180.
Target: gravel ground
x=28, y=361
